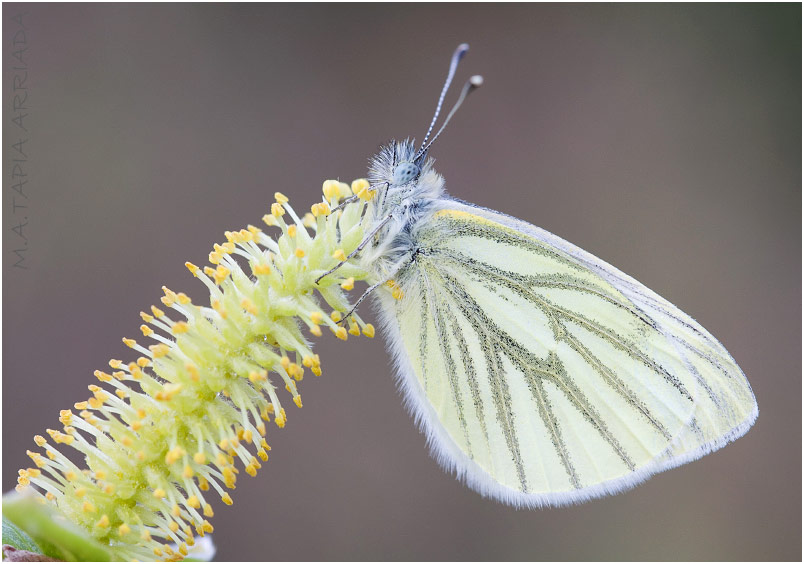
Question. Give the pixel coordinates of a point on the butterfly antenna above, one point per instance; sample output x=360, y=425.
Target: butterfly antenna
x=471, y=85
x=453, y=66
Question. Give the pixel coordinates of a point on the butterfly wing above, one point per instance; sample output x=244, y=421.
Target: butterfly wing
x=543, y=375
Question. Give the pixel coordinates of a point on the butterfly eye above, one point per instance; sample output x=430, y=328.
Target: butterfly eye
x=405, y=172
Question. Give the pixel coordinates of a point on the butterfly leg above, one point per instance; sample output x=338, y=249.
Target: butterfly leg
x=361, y=298
x=359, y=248
x=399, y=266
x=345, y=203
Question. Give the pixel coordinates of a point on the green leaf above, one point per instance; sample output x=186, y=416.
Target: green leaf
x=17, y=538
x=56, y=537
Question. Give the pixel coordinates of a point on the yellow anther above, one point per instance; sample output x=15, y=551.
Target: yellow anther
x=299, y=253
x=130, y=342
x=65, y=416
x=295, y=371
x=320, y=209
x=281, y=419
x=207, y=527
x=184, y=299
x=183, y=549
x=262, y=269
x=147, y=331
x=397, y=294
x=159, y=493
x=192, y=268
x=173, y=526
x=354, y=329
x=200, y=458
x=157, y=312
x=292, y=230
x=348, y=284
x=145, y=535
x=223, y=444
x=87, y=507
x=308, y=220
x=174, y=455
x=103, y=522
x=254, y=376
x=297, y=401
x=116, y=364
x=316, y=330
x=280, y=197
x=248, y=435
x=316, y=317
x=141, y=413
x=42, y=441
x=277, y=210
x=209, y=271
x=180, y=327
x=214, y=258
x=285, y=362
x=123, y=530
x=135, y=426
x=208, y=510
x=81, y=492
x=263, y=455
x=108, y=489
x=249, y=306
x=359, y=185
x=175, y=510
x=122, y=394
x=103, y=376
x=339, y=255
x=168, y=391
x=70, y=475
x=142, y=362
x=331, y=189
x=251, y=470
x=270, y=220
x=229, y=477
x=336, y=316
x=261, y=428
x=126, y=441
x=159, y=350
x=221, y=274
x=253, y=229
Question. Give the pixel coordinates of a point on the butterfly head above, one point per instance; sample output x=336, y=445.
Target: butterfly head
x=405, y=173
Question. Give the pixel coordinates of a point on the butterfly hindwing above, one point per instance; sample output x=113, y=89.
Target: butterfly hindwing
x=541, y=374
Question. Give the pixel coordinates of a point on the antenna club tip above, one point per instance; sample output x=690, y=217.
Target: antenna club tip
x=476, y=80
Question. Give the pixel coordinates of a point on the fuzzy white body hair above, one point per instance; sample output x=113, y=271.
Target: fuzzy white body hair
x=408, y=205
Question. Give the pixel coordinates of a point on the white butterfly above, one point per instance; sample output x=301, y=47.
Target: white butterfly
x=541, y=374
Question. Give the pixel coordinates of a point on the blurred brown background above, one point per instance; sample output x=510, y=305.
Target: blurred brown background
x=664, y=139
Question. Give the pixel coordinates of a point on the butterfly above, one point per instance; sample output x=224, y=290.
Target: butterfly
x=540, y=374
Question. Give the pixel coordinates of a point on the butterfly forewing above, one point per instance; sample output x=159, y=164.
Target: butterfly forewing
x=544, y=375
